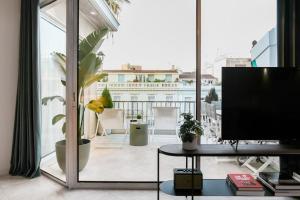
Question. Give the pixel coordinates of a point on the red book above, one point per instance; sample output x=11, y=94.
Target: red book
x=244, y=182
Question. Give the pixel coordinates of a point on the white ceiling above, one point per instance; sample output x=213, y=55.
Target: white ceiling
x=91, y=17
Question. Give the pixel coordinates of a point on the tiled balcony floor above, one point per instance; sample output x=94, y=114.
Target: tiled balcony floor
x=113, y=159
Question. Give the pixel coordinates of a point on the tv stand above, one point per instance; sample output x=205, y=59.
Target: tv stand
x=217, y=187
x=234, y=144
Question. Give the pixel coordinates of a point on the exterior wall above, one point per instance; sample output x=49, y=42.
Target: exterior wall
x=178, y=90
x=265, y=51
x=238, y=62
x=142, y=91
x=9, y=40
x=209, y=81
x=229, y=62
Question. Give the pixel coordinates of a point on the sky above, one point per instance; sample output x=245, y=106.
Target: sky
x=160, y=33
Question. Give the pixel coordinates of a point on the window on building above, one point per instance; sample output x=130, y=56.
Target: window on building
x=240, y=65
x=169, y=98
x=116, y=98
x=151, y=98
x=168, y=77
x=121, y=78
x=188, y=98
x=151, y=77
x=134, y=98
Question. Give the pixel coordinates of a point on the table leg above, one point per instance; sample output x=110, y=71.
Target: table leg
x=192, y=177
x=186, y=162
x=158, y=189
x=186, y=167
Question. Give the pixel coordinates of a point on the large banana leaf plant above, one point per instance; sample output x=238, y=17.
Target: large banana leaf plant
x=90, y=62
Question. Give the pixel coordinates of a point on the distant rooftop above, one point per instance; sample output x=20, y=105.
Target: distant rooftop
x=128, y=68
x=192, y=75
x=141, y=71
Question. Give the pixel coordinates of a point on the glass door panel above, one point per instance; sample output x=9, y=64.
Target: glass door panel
x=232, y=36
x=53, y=87
x=142, y=55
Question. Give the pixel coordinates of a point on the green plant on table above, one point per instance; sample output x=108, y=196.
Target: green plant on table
x=190, y=128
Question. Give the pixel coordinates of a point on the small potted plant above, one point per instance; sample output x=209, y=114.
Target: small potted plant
x=189, y=131
x=139, y=118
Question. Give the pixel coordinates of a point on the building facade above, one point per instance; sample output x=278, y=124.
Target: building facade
x=222, y=61
x=132, y=83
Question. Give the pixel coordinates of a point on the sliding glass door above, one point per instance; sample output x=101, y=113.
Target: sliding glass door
x=136, y=76
x=53, y=87
x=235, y=33
x=134, y=65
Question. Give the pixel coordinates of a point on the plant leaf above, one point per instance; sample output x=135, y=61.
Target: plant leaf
x=59, y=98
x=91, y=43
x=63, y=82
x=61, y=59
x=86, y=68
x=89, y=66
x=97, y=105
x=94, y=78
x=63, y=128
x=57, y=118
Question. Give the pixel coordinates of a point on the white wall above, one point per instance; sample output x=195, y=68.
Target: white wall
x=9, y=51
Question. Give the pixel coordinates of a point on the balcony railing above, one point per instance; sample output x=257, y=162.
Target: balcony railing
x=145, y=108
x=145, y=86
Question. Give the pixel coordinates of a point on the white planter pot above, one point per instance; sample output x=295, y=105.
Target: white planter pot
x=190, y=145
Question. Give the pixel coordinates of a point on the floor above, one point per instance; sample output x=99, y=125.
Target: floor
x=42, y=188
x=113, y=159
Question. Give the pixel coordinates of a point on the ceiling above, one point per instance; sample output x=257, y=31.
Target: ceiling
x=93, y=14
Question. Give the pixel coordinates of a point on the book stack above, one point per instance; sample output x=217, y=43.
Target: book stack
x=281, y=184
x=245, y=185
x=296, y=176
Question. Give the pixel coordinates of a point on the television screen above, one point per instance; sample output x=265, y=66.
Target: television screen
x=260, y=103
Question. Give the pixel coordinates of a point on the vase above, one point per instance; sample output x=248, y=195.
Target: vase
x=84, y=153
x=190, y=145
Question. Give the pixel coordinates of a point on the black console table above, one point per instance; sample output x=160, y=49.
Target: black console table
x=216, y=187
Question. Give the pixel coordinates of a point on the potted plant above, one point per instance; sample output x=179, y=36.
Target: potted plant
x=108, y=99
x=189, y=131
x=88, y=69
x=139, y=118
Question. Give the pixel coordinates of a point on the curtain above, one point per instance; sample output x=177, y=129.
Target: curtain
x=26, y=150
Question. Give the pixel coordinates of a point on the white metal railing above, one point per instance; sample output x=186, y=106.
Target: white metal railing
x=145, y=108
x=144, y=86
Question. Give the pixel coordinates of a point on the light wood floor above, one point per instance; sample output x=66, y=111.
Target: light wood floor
x=113, y=159
x=42, y=188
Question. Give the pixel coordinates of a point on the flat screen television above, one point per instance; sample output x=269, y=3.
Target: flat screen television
x=260, y=103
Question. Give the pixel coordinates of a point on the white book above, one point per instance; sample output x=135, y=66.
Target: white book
x=282, y=193
x=287, y=194
x=295, y=175
x=296, y=178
